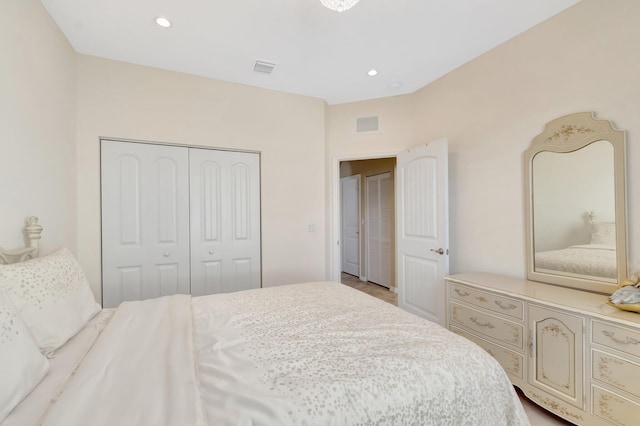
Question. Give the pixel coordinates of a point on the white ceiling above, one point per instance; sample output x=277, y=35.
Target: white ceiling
x=318, y=52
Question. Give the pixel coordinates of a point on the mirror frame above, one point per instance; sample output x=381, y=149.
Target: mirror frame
x=566, y=134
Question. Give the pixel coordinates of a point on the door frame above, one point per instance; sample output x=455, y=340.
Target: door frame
x=335, y=228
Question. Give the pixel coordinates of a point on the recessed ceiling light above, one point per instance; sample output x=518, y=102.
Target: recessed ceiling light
x=395, y=85
x=163, y=22
x=372, y=73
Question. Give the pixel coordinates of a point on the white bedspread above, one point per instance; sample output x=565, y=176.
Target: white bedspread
x=325, y=354
x=594, y=260
x=305, y=354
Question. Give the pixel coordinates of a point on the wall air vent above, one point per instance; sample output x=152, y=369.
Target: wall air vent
x=367, y=124
x=264, y=67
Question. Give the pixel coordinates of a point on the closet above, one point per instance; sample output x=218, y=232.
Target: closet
x=379, y=227
x=177, y=219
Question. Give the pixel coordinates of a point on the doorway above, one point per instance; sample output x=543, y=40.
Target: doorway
x=421, y=234
x=376, y=221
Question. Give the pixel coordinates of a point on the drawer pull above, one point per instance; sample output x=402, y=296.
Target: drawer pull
x=610, y=335
x=481, y=299
x=486, y=324
x=503, y=306
x=461, y=293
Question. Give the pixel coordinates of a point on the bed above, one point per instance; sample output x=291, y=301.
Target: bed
x=315, y=353
x=596, y=259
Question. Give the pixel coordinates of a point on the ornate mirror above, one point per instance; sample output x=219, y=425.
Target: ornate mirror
x=575, y=204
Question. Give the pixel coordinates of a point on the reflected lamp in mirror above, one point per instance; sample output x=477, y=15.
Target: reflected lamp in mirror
x=575, y=204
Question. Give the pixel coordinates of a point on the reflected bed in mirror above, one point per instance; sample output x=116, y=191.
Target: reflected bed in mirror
x=576, y=229
x=596, y=258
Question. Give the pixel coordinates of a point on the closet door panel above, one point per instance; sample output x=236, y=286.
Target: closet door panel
x=241, y=201
x=242, y=274
x=208, y=201
x=145, y=221
x=207, y=240
x=128, y=221
x=225, y=221
x=211, y=281
x=167, y=201
x=379, y=225
x=128, y=285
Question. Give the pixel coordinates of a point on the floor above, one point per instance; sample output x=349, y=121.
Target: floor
x=372, y=289
x=537, y=415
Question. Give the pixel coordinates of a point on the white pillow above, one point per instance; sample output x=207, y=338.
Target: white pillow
x=51, y=295
x=22, y=366
x=603, y=233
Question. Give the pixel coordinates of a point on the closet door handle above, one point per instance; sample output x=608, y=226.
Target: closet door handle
x=166, y=255
x=439, y=251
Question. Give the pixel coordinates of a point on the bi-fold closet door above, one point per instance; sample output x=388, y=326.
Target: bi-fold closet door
x=178, y=220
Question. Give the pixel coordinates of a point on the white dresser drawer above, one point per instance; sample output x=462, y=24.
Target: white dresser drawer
x=614, y=408
x=512, y=362
x=499, y=329
x=616, y=337
x=493, y=302
x=617, y=372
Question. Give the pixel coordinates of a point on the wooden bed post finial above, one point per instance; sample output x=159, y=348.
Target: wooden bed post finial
x=33, y=231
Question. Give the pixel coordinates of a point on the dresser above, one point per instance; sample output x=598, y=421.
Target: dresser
x=566, y=349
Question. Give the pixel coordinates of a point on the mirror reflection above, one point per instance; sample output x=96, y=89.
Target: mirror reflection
x=574, y=212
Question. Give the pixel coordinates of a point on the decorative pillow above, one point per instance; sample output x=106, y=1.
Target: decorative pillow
x=22, y=366
x=51, y=295
x=603, y=233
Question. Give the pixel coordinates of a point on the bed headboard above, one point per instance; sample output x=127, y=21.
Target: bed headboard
x=33, y=231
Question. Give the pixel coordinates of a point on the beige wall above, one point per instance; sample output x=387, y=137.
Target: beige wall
x=121, y=100
x=584, y=59
x=37, y=118
x=366, y=168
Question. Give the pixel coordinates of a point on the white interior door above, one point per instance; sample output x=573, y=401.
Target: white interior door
x=350, y=202
x=145, y=221
x=379, y=226
x=225, y=221
x=422, y=229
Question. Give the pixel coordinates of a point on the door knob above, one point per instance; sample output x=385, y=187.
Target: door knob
x=439, y=251
x=166, y=255
x=210, y=251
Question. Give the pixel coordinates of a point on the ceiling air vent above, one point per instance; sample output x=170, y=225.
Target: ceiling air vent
x=367, y=124
x=264, y=67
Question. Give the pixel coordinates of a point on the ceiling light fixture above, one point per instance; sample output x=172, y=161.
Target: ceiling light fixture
x=163, y=22
x=372, y=73
x=339, y=5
